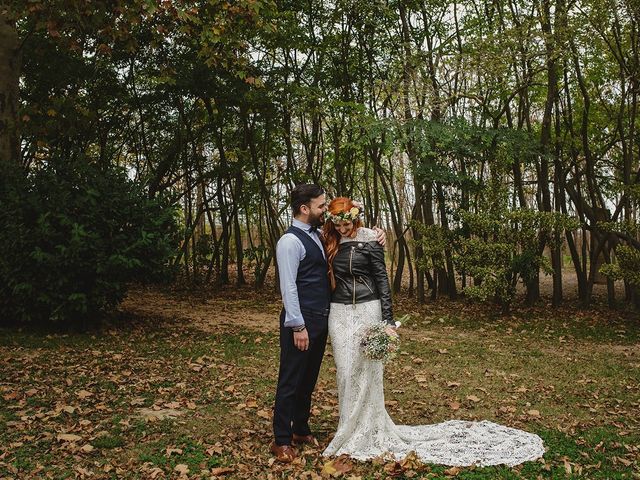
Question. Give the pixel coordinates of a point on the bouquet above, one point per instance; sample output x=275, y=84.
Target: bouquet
x=378, y=344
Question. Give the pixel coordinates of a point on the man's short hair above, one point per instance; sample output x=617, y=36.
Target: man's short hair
x=302, y=195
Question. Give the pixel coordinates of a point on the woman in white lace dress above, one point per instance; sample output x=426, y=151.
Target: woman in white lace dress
x=361, y=296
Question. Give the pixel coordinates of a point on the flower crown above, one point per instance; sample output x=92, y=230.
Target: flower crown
x=349, y=216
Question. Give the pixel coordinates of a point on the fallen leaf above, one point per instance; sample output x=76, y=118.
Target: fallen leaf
x=171, y=450
x=533, y=413
x=452, y=472
x=454, y=405
x=82, y=394
x=181, y=468
x=338, y=466
x=68, y=437
x=221, y=470
x=473, y=398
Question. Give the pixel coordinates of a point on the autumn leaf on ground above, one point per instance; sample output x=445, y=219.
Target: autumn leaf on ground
x=221, y=471
x=452, y=472
x=68, y=437
x=181, y=469
x=338, y=466
x=82, y=394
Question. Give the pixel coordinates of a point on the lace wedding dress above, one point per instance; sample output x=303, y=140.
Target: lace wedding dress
x=365, y=429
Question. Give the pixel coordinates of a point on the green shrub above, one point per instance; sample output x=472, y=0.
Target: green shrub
x=73, y=236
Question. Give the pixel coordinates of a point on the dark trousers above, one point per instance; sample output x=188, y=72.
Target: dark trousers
x=297, y=378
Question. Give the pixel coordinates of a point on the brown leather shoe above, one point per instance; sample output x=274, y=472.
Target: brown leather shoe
x=283, y=453
x=301, y=439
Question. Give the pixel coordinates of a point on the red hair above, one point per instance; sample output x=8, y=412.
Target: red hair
x=332, y=236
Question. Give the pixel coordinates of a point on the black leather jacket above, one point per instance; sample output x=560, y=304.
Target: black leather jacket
x=361, y=276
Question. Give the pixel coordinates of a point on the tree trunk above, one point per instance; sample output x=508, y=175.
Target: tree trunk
x=10, y=67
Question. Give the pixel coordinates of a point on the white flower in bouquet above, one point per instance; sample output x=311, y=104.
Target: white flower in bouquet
x=378, y=344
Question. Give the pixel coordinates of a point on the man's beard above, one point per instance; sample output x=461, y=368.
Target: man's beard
x=316, y=221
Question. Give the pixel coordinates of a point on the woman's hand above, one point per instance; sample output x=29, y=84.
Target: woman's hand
x=381, y=236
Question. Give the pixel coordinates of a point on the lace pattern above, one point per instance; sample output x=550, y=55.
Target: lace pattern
x=362, y=235
x=365, y=429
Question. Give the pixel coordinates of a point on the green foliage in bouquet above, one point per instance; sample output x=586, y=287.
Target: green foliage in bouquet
x=377, y=344
x=73, y=236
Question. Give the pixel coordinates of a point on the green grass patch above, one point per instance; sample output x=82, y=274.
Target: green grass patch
x=108, y=441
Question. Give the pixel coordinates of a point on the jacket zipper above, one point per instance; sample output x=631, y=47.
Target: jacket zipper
x=364, y=282
x=352, y=276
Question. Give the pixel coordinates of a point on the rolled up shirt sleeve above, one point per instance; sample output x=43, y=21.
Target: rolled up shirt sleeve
x=289, y=253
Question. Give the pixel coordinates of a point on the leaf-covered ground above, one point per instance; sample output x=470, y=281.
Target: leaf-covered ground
x=182, y=386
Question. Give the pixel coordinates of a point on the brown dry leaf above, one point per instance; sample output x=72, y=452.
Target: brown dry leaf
x=452, y=472
x=534, y=413
x=338, y=466
x=87, y=448
x=624, y=461
x=181, y=468
x=328, y=468
x=82, y=394
x=171, y=450
x=454, y=405
x=343, y=464
x=221, y=471
x=443, y=350
x=10, y=396
x=83, y=471
x=68, y=437
x=473, y=398
x=411, y=461
x=453, y=384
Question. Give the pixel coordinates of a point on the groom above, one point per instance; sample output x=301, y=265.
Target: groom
x=304, y=285
x=306, y=294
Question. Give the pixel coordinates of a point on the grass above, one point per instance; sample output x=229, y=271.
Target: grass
x=108, y=441
x=569, y=376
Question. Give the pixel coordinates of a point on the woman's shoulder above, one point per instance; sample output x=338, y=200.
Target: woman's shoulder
x=363, y=235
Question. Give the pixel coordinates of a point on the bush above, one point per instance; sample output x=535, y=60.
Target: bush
x=73, y=237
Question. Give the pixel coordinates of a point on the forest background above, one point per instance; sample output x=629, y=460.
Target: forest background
x=496, y=141
x=150, y=141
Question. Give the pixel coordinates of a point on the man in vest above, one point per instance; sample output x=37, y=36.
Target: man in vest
x=306, y=294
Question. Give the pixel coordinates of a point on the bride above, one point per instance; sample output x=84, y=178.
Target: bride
x=361, y=297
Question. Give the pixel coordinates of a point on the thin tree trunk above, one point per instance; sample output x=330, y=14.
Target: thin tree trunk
x=10, y=68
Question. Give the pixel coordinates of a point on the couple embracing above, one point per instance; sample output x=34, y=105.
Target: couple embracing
x=334, y=282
